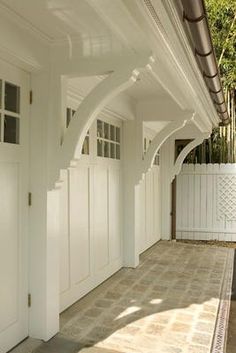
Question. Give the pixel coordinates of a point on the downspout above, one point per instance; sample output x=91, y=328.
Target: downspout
x=194, y=13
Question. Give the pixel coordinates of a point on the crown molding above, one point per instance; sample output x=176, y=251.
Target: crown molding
x=22, y=61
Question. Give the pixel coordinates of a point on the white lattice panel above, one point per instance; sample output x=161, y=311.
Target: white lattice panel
x=226, y=187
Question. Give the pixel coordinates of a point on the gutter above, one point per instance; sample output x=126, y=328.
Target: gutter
x=194, y=13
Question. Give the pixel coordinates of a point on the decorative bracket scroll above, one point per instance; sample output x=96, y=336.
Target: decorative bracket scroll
x=91, y=106
x=160, y=138
x=183, y=154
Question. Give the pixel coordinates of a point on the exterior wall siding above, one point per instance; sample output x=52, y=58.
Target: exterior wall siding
x=150, y=209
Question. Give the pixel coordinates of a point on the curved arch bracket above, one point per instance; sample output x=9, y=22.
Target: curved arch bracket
x=89, y=108
x=160, y=138
x=183, y=154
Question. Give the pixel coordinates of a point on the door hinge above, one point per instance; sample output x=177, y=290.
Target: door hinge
x=29, y=199
x=31, y=96
x=29, y=300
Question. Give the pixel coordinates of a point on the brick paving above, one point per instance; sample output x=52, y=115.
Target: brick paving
x=168, y=304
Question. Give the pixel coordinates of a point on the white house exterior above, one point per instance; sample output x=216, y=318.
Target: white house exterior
x=83, y=195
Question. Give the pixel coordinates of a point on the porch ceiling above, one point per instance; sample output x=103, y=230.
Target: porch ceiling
x=146, y=87
x=156, y=126
x=62, y=20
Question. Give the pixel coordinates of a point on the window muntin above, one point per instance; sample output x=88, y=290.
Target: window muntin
x=9, y=113
x=108, y=140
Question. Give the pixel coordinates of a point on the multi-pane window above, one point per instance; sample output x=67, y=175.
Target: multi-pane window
x=69, y=115
x=108, y=140
x=9, y=112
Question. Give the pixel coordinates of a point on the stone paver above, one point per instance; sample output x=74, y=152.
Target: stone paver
x=166, y=305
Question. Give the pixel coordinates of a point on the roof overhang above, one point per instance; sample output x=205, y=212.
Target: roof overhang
x=195, y=17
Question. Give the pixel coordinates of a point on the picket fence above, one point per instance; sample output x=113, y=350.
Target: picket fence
x=206, y=202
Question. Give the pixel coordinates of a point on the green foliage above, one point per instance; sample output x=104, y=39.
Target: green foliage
x=222, y=22
x=221, y=146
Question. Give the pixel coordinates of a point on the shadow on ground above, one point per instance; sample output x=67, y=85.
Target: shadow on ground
x=168, y=304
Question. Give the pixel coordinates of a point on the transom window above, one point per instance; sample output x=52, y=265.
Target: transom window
x=108, y=140
x=9, y=112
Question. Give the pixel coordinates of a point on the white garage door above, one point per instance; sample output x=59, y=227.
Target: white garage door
x=91, y=236
x=14, y=111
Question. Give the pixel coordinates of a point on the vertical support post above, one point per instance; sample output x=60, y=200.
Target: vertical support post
x=132, y=149
x=173, y=209
x=43, y=250
x=166, y=163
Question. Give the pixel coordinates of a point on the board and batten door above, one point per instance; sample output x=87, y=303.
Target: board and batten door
x=14, y=113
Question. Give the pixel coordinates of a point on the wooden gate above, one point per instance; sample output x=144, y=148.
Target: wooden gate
x=206, y=202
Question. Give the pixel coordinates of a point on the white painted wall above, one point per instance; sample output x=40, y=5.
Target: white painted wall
x=150, y=209
x=206, y=202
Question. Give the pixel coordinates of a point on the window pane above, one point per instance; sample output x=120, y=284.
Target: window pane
x=99, y=148
x=112, y=150
x=117, y=134
x=117, y=151
x=106, y=131
x=106, y=149
x=11, y=129
x=99, y=128
x=12, y=97
x=113, y=133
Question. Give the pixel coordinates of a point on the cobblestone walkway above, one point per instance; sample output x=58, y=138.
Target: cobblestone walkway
x=169, y=304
